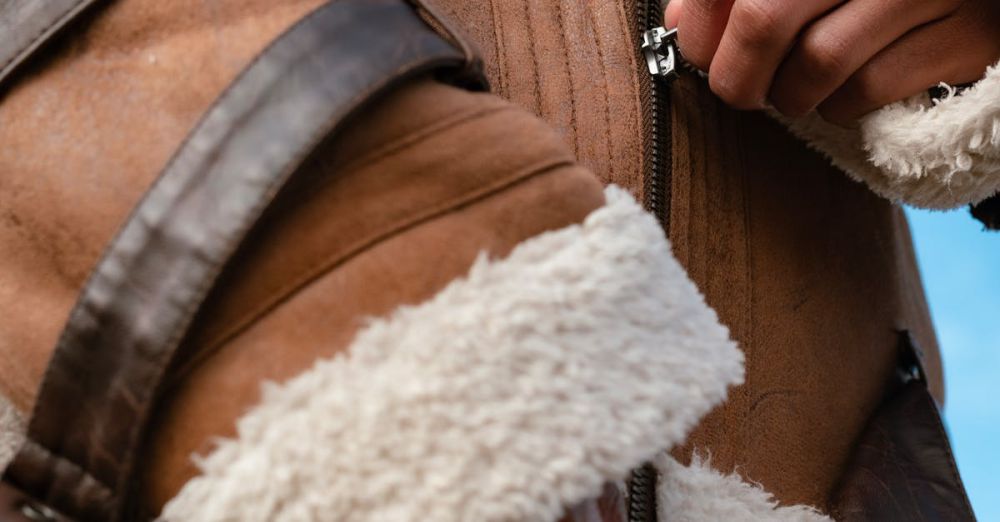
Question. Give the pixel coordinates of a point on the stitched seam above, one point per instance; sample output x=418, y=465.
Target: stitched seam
x=573, y=124
x=536, y=72
x=419, y=135
x=46, y=30
x=607, y=94
x=631, y=43
x=406, y=142
x=325, y=265
x=207, y=283
x=501, y=49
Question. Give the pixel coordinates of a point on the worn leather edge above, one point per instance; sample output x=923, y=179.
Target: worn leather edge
x=30, y=24
x=941, y=494
x=888, y=479
x=139, y=301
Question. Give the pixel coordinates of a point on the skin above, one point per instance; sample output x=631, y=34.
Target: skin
x=842, y=58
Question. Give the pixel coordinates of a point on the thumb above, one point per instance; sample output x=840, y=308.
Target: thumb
x=672, y=13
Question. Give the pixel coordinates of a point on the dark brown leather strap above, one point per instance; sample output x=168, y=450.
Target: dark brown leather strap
x=15, y=506
x=105, y=373
x=26, y=25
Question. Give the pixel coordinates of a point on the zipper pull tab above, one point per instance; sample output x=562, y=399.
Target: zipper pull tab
x=659, y=46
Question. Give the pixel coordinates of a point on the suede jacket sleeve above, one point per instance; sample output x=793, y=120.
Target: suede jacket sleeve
x=936, y=154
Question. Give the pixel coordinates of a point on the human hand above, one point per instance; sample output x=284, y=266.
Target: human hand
x=842, y=58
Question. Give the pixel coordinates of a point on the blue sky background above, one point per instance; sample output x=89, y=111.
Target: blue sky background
x=961, y=270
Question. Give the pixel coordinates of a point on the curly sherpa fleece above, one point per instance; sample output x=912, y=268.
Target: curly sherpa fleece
x=935, y=155
x=698, y=493
x=515, y=392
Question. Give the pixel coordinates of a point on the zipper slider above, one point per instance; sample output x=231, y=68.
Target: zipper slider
x=659, y=46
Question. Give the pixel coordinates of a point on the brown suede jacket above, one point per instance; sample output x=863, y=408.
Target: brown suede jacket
x=813, y=274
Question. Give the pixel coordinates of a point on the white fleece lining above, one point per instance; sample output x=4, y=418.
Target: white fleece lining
x=933, y=156
x=698, y=493
x=11, y=432
x=515, y=392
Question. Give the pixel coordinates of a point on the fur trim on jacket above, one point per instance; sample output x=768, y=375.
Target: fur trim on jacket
x=517, y=391
x=938, y=155
x=698, y=493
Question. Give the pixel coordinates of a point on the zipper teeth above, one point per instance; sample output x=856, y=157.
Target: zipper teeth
x=663, y=149
x=642, y=495
x=642, y=484
x=652, y=154
x=658, y=176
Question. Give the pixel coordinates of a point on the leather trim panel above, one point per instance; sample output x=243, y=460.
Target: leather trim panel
x=26, y=25
x=903, y=468
x=110, y=361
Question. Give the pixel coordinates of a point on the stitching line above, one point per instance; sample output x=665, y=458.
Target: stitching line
x=501, y=49
x=419, y=135
x=607, y=93
x=327, y=264
x=404, y=143
x=573, y=123
x=536, y=72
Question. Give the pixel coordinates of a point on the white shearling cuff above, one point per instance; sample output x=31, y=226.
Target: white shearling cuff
x=514, y=393
x=698, y=493
x=938, y=156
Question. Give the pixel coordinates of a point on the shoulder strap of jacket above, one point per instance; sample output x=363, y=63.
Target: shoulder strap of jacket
x=26, y=25
x=102, y=381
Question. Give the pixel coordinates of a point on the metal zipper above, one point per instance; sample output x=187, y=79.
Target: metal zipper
x=659, y=49
x=642, y=494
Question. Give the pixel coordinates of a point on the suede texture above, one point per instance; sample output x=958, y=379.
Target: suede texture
x=386, y=214
x=85, y=130
x=418, y=199
x=573, y=63
x=813, y=274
